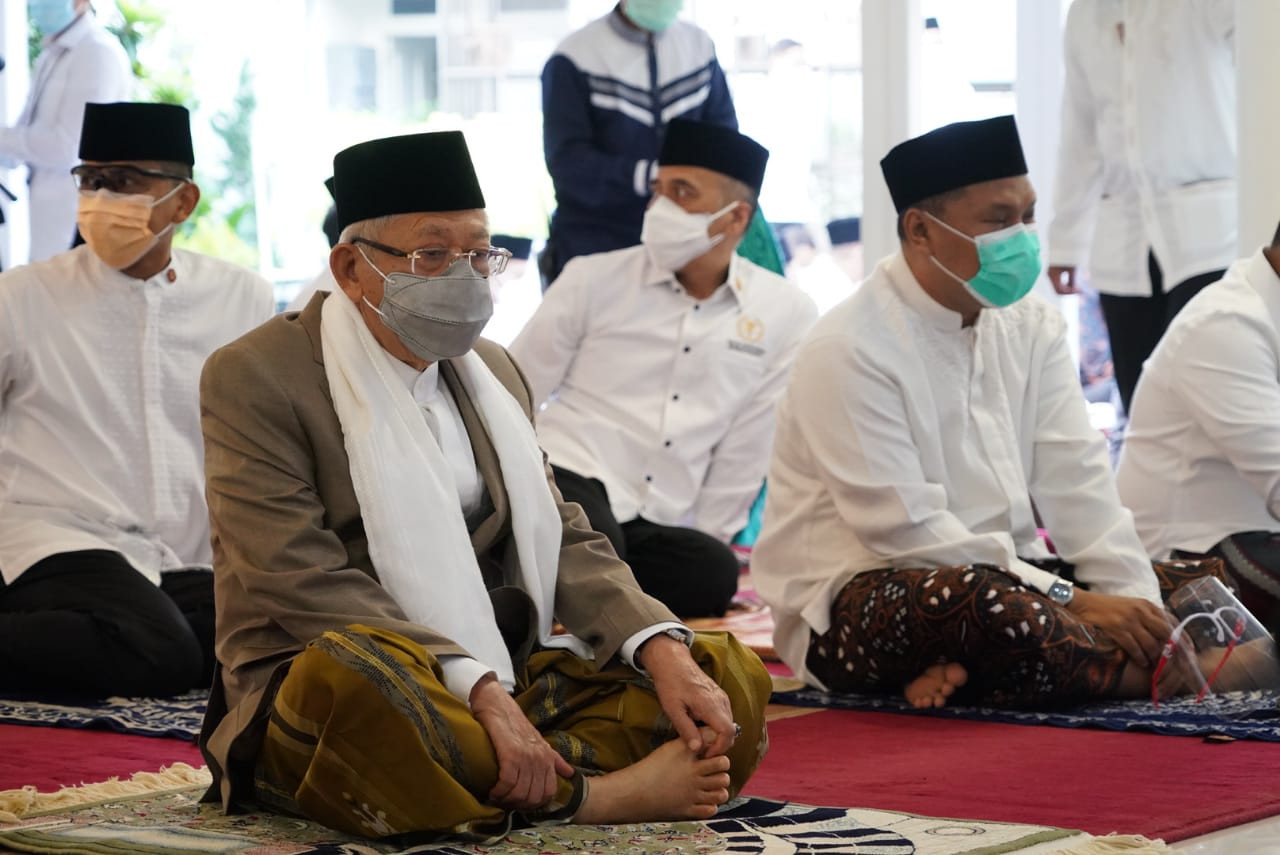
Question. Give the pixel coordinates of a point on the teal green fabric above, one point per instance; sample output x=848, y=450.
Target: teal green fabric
x=760, y=246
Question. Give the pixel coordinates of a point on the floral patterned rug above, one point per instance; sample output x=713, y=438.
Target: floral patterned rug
x=1229, y=715
x=172, y=717
x=174, y=822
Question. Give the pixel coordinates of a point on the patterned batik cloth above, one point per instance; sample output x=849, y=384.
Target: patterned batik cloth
x=1019, y=647
x=365, y=738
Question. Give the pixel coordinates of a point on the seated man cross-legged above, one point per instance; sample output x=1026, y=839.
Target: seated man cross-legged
x=930, y=418
x=660, y=366
x=104, y=532
x=391, y=555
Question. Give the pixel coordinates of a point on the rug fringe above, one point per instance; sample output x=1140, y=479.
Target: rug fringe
x=15, y=804
x=1120, y=844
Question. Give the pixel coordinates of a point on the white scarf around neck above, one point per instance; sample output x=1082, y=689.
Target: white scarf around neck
x=418, y=538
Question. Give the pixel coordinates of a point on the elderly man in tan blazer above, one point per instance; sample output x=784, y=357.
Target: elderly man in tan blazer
x=415, y=632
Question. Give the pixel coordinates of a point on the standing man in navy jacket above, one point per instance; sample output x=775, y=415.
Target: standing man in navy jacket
x=608, y=92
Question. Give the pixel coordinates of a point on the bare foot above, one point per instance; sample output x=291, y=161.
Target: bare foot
x=935, y=685
x=670, y=784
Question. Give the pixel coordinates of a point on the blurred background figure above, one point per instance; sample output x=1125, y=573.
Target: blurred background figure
x=1146, y=191
x=79, y=62
x=608, y=92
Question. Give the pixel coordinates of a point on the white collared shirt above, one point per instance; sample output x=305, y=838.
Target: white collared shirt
x=100, y=444
x=907, y=440
x=1201, y=457
x=84, y=63
x=667, y=400
x=444, y=419
x=1148, y=150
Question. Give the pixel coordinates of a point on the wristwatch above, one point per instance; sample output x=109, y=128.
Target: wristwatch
x=678, y=634
x=1061, y=591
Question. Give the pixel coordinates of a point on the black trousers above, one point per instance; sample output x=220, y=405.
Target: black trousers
x=691, y=572
x=1136, y=324
x=87, y=624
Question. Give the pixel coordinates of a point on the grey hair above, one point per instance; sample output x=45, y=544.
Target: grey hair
x=370, y=228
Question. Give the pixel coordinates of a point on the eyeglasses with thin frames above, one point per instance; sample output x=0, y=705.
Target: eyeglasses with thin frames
x=434, y=260
x=120, y=178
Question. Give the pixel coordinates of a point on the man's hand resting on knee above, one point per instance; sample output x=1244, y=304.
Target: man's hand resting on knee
x=527, y=765
x=1138, y=626
x=688, y=695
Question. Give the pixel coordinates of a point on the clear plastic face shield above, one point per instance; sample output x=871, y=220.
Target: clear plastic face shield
x=1218, y=645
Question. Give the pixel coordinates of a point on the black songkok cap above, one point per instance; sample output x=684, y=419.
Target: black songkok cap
x=130, y=130
x=952, y=157
x=411, y=174
x=714, y=147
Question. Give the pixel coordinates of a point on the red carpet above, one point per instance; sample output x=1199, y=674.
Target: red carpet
x=1161, y=786
x=53, y=757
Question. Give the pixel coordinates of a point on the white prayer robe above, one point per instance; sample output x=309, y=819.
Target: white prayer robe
x=1147, y=159
x=1201, y=457
x=100, y=444
x=907, y=440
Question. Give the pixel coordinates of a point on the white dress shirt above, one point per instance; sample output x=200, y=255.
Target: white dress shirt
x=1201, y=457
x=667, y=400
x=100, y=444
x=444, y=419
x=84, y=63
x=907, y=440
x=1148, y=152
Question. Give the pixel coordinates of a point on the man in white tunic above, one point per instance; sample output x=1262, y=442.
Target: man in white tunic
x=104, y=531
x=660, y=366
x=928, y=419
x=80, y=62
x=1146, y=189
x=1201, y=463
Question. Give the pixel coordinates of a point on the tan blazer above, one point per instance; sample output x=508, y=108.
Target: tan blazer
x=290, y=555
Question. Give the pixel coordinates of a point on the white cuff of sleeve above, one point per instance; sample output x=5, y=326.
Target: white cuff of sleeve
x=1032, y=576
x=632, y=644
x=645, y=170
x=461, y=673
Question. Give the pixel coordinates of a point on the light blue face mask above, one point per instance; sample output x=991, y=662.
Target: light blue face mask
x=653, y=15
x=51, y=16
x=1008, y=264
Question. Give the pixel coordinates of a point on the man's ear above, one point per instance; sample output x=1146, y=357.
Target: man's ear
x=342, y=264
x=915, y=228
x=188, y=198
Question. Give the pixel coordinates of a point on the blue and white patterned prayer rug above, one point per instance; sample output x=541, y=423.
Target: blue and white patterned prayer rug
x=1240, y=715
x=175, y=717
x=175, y=823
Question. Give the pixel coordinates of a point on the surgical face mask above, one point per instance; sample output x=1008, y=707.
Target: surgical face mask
x=51, y=16
x=653, y=15
x=1008, y=264
x=674, y=237
x=436, y=317
x=117, y=226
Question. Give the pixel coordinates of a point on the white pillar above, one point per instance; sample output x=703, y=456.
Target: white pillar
x=891, y=35
x=1257, y=70
x=1038, y=93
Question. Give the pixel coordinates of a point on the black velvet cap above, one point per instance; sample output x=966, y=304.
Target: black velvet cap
x=410, y=174
x=328, y=185
x=132, y=130
x=714, y=147
x=952, y=157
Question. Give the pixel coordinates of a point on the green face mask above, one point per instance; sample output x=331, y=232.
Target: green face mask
x=1008, y=264
x=653, y=15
